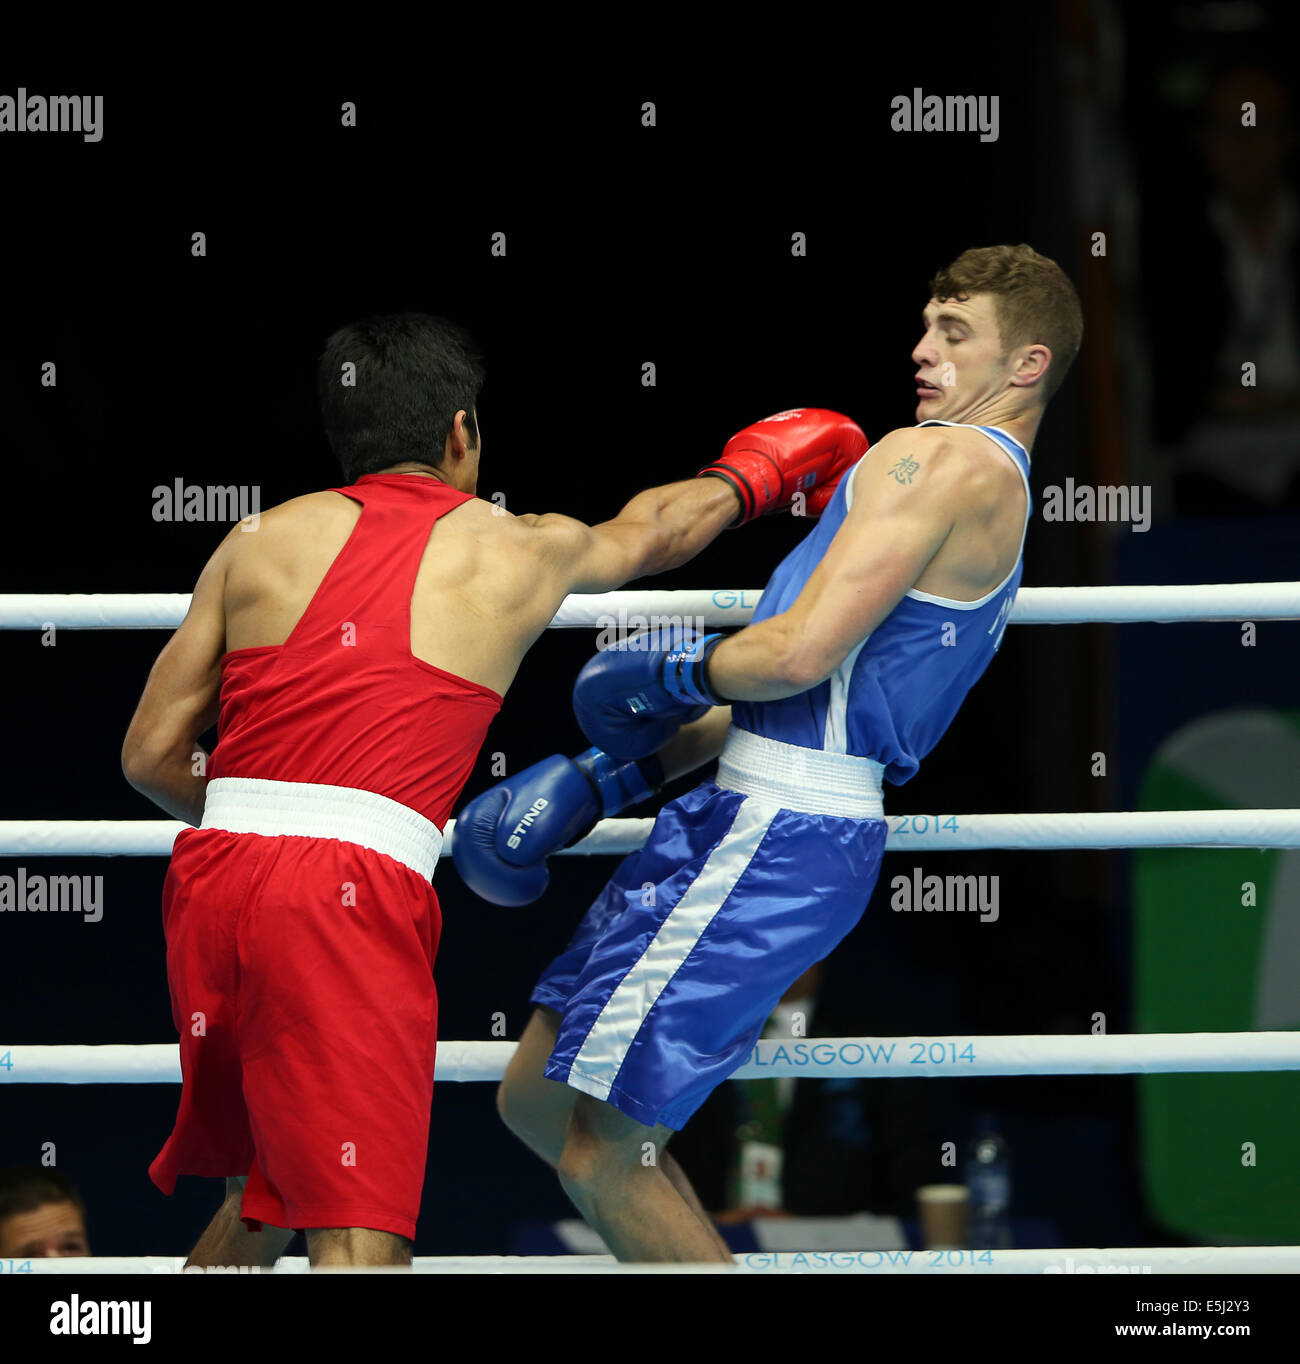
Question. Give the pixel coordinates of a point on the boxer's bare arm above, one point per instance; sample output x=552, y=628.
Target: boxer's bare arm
x=909, y=492
x=695, y=744
x=501, y=578
x=161, y=753
x=545, y=558
x=659, y=529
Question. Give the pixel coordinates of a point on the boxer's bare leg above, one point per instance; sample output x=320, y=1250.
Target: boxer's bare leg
x=355, y=1246
x=537, y=1111
x=228, y=1242
x=611, y=1168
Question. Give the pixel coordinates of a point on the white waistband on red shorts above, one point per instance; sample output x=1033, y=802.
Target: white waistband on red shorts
x=249, y=805
x=809, y=780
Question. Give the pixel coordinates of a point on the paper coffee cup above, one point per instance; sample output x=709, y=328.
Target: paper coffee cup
x=943, y=1209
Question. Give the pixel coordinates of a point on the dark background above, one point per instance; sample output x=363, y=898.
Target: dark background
x=624, y=245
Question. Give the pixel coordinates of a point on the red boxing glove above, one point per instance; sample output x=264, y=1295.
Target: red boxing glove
x=804, y=450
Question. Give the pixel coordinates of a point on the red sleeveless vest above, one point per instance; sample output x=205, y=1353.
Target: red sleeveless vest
x=343, y=701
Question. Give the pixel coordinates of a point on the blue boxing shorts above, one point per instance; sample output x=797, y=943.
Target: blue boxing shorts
x=678, y=964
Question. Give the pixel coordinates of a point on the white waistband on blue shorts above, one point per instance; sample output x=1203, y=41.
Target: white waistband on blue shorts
x=249, y=805
x=805, y=779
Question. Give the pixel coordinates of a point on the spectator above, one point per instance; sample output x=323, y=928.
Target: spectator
x=42, y=1216
x=1222, y=272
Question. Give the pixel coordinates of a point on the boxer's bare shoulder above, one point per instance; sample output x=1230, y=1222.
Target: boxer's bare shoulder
x=273, y=566
x=290, y=541
x=516, y=558
x=957, y=465
x=487, y=587
x=988, y=473
x=309, y=515
x=956, y=472
x=489, y=550
x=990, y=498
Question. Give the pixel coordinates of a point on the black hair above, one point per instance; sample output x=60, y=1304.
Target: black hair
x=413, y=373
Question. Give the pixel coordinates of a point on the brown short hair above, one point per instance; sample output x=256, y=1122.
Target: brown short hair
x=1033, y=298
x=24, y=1188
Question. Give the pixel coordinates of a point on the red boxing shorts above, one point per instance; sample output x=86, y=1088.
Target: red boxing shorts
x=301, y=977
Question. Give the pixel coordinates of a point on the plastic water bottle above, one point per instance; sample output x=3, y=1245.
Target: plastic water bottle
x=988, y=1177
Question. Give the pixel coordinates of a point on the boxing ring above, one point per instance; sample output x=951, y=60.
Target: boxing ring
x=919, y=1057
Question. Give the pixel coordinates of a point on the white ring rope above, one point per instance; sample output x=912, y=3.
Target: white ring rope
x=809, y=1057
x=1125, y=1260
x=773, y=1058
x=908, y=833
x=722, y=607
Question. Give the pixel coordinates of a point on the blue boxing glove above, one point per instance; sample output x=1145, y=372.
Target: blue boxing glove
x=630, y=702
x=504, y=836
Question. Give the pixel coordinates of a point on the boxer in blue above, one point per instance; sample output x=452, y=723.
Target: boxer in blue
x=867, y=638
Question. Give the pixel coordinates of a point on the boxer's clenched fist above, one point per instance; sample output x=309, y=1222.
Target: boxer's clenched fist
x=504, y=836
x=630, y=702
x=805, y=450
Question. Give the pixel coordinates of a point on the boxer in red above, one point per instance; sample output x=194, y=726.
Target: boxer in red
x=353, y=649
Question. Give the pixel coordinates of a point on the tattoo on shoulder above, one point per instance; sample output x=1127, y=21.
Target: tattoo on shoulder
x=902, y=471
